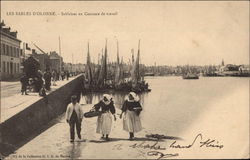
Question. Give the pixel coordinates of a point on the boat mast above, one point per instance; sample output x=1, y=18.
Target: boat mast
x=138, y=62
x=117, y=76
x=60, y=61
x=105, y=63
x=89, y=72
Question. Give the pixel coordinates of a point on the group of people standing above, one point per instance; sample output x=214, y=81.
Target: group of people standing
x=131, y=110
x=41, y=82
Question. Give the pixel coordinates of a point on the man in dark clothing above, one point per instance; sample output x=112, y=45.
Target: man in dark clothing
x=38, y=83
x=47, y=77
x=63, y=75
x=24, y=82
x=67, y=75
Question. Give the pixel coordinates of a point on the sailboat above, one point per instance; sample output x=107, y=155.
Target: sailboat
x=101, y=82
x=113, y=75
x=138, y=83
x=88, y=78
x=135, y=73
x=118, y=79
x=190, y=75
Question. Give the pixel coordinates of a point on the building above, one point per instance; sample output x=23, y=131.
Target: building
x=10, y=53
x=26, y=52
x=244, y=69
x=56, y=61
x=68, y=67
x=42, y=58
x=77, y=68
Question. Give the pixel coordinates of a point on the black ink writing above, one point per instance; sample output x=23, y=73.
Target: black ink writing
x=154, y=146
x=161, y=155
x=207, y=143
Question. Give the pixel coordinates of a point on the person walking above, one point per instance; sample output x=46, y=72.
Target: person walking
x=54, y=77
x=67, y=75
x=131, y=119
x=74, y=118
x=24, y=82
x=104, y=121
x=47, y=78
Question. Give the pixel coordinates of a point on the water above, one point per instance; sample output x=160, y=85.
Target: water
x=217, y=107
x=174, y=104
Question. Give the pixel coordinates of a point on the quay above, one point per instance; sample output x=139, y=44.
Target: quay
x=24, y=116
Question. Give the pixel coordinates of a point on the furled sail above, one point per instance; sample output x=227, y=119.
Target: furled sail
x=88, y=68
x=118, y=75
x=135, y=73
x=103, y=71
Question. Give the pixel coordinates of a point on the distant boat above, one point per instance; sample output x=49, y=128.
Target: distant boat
x=190, y=76
x=149, y=74
x=210, y=75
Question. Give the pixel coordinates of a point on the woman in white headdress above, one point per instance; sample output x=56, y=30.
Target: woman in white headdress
x=104, y=121
x=131, y=120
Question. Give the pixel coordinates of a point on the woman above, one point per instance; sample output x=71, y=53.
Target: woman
x=131, y=120
x=104, y=121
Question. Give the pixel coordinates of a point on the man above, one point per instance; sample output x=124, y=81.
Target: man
x=47, y=77
x=54, y=77
x=24, y=82
x=74, y=118
x=67, y=75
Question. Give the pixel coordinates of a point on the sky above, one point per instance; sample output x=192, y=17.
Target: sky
x=171, y=33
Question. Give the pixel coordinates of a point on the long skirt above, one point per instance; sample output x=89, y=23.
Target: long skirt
x=131, y=122
x=104, y=123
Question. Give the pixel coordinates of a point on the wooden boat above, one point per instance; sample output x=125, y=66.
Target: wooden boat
x=149, y=74
x=111, y=76
x=190, y=76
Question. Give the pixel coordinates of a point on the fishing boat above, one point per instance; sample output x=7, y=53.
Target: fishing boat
x=190, y=76
x=149, y=74
x=88, y=81
x=138, y=82
x=112, y=75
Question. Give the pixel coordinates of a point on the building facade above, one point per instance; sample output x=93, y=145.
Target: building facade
x=56, y=62
x=43, y=59
x=10, y=53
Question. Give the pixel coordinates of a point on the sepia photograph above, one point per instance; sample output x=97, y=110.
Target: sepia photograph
x=124, y=80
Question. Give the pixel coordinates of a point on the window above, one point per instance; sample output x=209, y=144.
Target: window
x=8, y=66
x=4, y=50
x=7, y=52
x=14, y=51
x=11, y=51
x=18, y=68
x=18, y=52
x=4, y=67
x=14, y=68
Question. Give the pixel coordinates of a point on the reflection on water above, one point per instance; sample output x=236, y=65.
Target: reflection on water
x=75, y=150
x=174, y=103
